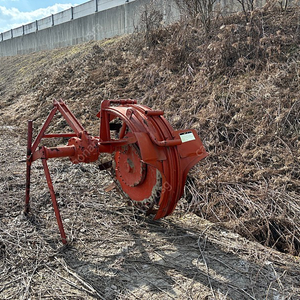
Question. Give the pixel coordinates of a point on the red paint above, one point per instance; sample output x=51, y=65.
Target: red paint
x=151, y=158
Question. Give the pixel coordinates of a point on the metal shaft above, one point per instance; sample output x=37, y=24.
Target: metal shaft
x=28, y=167
x=54, y=202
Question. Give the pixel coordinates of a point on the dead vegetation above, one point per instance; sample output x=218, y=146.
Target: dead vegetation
x=239, y=89
x=114, y=251
x=238, y=86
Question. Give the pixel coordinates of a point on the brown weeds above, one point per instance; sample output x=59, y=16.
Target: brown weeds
x=238, y=86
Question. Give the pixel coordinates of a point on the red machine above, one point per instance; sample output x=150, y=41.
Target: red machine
x=150, y=159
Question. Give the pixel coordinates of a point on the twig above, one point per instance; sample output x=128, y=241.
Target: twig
x=87, y=285
x=28, y=283
x=204, y=261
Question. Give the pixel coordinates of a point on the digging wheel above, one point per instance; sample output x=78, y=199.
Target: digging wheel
x=150, y=159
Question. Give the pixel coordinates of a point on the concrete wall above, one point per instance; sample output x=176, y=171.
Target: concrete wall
x=72, y=27
x=93, y=20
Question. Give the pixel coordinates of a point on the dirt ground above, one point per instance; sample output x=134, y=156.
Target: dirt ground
x=115, y=252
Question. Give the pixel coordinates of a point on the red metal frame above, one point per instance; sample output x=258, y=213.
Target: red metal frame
x=157, y=147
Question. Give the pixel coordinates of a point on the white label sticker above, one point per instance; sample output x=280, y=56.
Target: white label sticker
x=187, y=136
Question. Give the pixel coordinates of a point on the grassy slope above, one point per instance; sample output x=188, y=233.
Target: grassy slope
x=238, y=87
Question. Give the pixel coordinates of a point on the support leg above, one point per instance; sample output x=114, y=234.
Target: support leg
x=28, y=167
x=54, y=202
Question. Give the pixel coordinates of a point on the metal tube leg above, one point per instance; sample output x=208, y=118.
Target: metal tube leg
x=54, y=202
x=27, y=197
x=28, y=167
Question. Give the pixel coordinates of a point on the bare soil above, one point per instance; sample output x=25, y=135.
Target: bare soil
x=115, y=252
x=236, y=232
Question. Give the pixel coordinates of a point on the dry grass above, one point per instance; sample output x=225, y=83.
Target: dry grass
x=117, y=253
x=239, y=89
